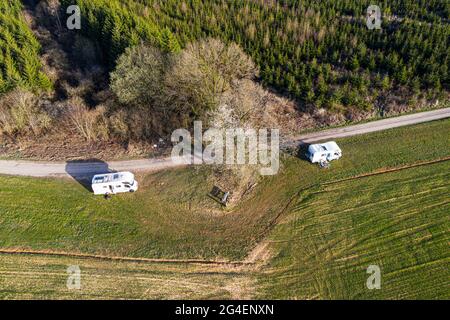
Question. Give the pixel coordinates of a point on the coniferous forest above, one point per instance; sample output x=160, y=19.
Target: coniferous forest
x=19, y=59
x=319, y=52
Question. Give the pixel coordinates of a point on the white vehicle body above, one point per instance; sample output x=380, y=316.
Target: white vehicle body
x=324, y=152
x=113, y=183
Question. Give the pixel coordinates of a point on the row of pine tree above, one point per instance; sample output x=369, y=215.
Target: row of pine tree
x=19, y=51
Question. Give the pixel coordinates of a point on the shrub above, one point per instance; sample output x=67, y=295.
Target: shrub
x=91, y=124
x=202, y=73
x=118, y=124
x=137, y=78
x=22, y=113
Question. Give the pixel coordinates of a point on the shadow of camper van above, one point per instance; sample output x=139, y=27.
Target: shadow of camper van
x=303, y=151
x=84, y=170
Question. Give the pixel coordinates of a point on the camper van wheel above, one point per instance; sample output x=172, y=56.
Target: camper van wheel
x=107, y=196
x=131, y=190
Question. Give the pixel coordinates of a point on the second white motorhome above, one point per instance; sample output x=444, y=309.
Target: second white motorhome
x=324, y=152
x=113, y=183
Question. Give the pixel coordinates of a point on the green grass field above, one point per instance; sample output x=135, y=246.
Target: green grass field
x=320, y=247
x=398, y=221
x=43, y=277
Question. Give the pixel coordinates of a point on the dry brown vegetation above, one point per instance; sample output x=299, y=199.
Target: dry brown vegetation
x=26, y=276
x=22, y=112
x=91, y=124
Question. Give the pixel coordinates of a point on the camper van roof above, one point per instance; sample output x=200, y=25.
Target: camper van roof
x=113, y=177
x=330, y=146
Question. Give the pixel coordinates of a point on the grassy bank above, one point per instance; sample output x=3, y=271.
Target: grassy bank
x=172, y=217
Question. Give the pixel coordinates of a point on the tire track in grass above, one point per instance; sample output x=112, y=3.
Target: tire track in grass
x=277, y=218
x=374, y=173
x=388, y=170
x=124, y=259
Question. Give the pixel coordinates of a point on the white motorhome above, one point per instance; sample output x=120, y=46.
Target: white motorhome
x=112, y=183
x=324, y=152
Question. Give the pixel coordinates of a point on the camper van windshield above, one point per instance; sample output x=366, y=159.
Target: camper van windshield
x=98, y=180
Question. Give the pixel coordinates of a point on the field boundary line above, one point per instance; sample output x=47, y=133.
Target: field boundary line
x=390, y=170
x=123, y=259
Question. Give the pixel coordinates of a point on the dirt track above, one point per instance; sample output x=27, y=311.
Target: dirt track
x=80, y=169
x=127, y=259
x=373, y=126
